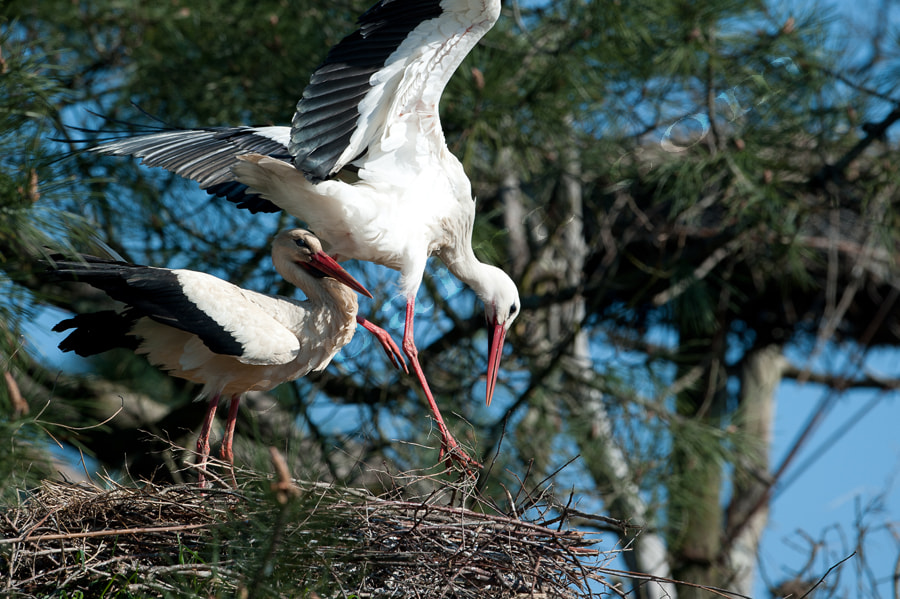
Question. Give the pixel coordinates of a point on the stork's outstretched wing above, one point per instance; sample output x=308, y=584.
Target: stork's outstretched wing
x=207, y=156
x=397, y=62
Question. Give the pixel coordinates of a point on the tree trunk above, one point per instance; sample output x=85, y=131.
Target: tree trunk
x=609, y=468
x=565, y=251
x=695, y=512
x=748, y=512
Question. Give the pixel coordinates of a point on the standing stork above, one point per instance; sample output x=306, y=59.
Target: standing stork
x=365, y=164
x=209, y=331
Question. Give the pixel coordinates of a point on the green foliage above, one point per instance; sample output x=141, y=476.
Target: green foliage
x=31, y=187
x=705, y=141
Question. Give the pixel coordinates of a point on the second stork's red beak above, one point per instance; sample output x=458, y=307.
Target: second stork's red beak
x=330, y=267
x=496, y=335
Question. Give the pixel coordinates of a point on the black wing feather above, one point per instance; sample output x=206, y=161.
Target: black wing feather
x=204, y=155
x=240, y=195
x=151, y=292
x=382, y=29
x=97, y=332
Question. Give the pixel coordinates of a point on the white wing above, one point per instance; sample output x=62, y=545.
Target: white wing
x=397, y=63
x=240, y=314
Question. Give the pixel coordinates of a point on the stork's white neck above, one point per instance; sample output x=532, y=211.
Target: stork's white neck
x=462, y=262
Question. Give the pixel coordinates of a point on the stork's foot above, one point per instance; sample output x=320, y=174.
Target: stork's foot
x=201, y=472
x=387, y=343
x=449, y=447
x=228, y=456
x=452, y=454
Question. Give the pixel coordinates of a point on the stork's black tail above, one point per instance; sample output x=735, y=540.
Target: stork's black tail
x=96, y=332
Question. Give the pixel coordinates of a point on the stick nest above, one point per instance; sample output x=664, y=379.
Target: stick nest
x=283, y=540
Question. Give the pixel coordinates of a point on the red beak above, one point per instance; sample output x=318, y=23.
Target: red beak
x=330, y=267
x=496, y=335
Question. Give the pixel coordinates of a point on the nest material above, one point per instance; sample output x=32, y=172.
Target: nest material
x=328, y=541
x=71, y=536
x=411, y=546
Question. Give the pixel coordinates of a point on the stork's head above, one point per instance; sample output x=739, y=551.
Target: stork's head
x=501, y=306
x=303, y=249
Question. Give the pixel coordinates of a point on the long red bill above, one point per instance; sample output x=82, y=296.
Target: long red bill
x=496, y=335
x=330, y=267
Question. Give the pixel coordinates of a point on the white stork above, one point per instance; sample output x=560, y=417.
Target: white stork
x=365, y=164
x=209, y=331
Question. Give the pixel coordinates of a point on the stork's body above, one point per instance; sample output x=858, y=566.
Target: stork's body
x=203, y=329
x=365, y=164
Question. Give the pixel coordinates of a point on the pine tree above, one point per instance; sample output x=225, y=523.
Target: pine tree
x=681, y=192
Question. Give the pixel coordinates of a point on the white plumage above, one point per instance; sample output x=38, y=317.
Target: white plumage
x=365, y=164
x=206, y=330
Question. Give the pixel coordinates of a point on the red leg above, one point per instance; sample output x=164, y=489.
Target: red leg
x=203, y=439
x=390, y=348
x=449, y=446
x=226, y=451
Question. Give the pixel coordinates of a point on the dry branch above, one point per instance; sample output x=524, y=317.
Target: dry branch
x=168, y=540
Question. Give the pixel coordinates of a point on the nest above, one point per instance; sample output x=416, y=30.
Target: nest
x=72, y=536
x=284, y=539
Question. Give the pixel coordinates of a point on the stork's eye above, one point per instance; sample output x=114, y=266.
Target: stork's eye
x=301, y=243
x=513, y=309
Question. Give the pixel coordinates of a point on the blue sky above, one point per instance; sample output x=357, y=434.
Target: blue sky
x=840, y=478
x=847, y=472
x=841, y=471
x=837, y=480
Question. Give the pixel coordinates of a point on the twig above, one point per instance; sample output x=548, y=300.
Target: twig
x=103, y=533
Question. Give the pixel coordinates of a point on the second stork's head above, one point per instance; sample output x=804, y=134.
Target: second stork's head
x=295, y=248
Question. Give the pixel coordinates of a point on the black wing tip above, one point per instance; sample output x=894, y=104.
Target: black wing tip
x=65, y=266
x=64, y=325
x=258, y=205
x=97, y=332
x=123, y=128
x=239, y=195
